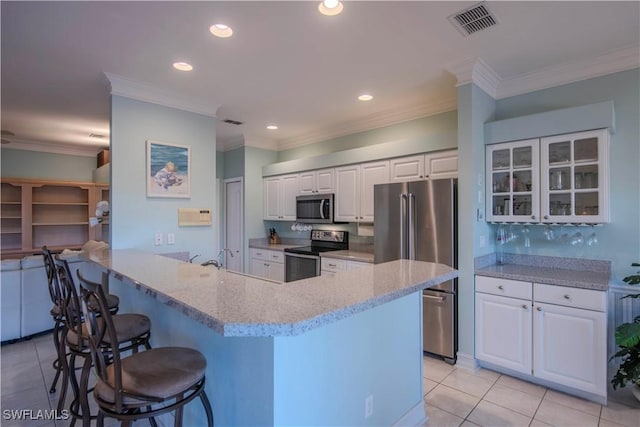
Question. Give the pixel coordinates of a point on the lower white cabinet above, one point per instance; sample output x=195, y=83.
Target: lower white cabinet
x=330, y=266
x=503, y=331
x=267, y=264
x=553, y=333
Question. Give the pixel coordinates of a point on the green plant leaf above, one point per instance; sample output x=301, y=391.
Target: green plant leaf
x=628, y=335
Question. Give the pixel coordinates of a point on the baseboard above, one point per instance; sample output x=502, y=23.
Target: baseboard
x=467, y=361
x=415, y=417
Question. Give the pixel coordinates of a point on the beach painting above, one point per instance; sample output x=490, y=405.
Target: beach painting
x=168, y=170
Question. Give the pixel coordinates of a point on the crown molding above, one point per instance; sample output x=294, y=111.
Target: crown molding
x=476, y=70
x=55, y=148
x=373, y=121
x=615, y=61
x=122, y=86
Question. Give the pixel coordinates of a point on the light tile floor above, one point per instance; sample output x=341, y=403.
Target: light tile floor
x=459, y=397
x=453, y=396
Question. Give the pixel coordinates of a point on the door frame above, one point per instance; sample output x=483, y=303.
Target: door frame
x=226, y=218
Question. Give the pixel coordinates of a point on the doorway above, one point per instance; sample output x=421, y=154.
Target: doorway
x=234, y=222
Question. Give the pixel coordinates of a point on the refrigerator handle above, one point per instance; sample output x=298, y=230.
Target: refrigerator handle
x=411, y=232
x=403, y=226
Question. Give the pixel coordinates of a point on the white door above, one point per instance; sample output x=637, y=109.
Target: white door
x=503, y=331
x=372, y=174
x=347, y=198
x=289, y=189
x=570, y=347
x=308, y=182
x=324, y=181
x=233, y=223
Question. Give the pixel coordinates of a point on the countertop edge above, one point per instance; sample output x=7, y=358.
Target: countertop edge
x=543, y=279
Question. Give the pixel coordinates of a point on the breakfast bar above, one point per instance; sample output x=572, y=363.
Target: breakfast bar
x=340, y=350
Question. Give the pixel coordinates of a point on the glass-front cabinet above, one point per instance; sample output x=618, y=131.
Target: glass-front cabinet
x=557, y=179
x=512, y=181
x=574, y=177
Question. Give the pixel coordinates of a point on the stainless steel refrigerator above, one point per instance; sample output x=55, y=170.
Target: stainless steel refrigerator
x=418, y=220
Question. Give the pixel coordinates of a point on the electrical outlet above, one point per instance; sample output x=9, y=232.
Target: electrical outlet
x=171, y=239
x=158, y=240
x=368, y=406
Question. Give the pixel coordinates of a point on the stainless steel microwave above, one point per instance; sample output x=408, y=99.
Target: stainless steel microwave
x=315, y=208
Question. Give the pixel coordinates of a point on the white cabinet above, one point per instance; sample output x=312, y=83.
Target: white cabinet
x=317, y=181
x=503, y=323
x=438, y=165
x=575, y=177
x=330, y=266
x=267, y=264
x=354, y=190
x=559, y=179
x=280, y=197
x=513, y=188
x=570, y=342
x=553, y=333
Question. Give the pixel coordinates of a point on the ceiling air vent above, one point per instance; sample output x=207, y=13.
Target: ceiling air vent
x=232, y=122
x=475, y=18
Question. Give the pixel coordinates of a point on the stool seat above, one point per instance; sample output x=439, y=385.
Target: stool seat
x=157, y=373
x=129, y=326
x=113, y=302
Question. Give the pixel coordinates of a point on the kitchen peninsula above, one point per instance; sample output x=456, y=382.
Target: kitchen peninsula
x=310, y=352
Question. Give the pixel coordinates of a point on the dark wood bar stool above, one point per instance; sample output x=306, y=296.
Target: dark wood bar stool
x=131, y=332
x=56, y=313
x=145, y=384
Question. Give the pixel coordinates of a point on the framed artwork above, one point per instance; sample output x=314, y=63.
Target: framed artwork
x=168, y=170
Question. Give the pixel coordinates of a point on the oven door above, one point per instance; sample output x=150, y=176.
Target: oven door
x=297, y=266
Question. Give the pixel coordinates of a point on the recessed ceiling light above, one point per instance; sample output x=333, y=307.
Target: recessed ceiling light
x=272, y=127
x=365, y=97
x=221, y=30
x=182, y=66
x=330, y=7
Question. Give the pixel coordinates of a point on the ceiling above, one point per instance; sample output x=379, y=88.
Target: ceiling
x=286, y=63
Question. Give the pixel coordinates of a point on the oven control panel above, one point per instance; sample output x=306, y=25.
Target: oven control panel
x=329, y=236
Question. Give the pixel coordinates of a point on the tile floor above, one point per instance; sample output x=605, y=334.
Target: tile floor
x=459, y=397
x=453, y=396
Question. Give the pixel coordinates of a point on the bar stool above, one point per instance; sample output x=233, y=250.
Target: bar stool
x=131, y=332
x=58, y=319
x=167, y=377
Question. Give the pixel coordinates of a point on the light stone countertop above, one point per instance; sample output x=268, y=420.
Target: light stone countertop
x=263, y=243
x=240, y=305
x=585, y=279
x=349, y=255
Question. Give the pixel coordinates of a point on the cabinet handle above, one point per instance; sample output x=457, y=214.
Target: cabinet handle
x=567, y=296
x=539, y=308
x=332, y=265
x=533, y=217
x=421, y=176
x=501, y=287
x=546, y=217
x=524, y=306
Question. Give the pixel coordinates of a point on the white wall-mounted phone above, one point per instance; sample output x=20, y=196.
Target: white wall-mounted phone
x=193, y=217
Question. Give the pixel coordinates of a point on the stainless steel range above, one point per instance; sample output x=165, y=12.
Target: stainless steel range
x=304, y=262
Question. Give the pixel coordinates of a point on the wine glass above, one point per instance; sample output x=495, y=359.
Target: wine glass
x=525, y=234
x=592, y=240
x=576, y=239
x=549, y=233
x=564, y=236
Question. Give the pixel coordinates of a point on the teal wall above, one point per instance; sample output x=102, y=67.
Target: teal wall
x=234, y=163
x=437, y=131
x=135, y=218
x=39, y=165
x=475, y=108
x=619, y=240
x=254, y=160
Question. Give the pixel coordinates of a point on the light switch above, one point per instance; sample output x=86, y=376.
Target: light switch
x=171, y=239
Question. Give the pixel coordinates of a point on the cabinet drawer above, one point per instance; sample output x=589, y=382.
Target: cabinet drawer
x=570, y=297
x=267, y=255
x=333, y=264
x=504, y=287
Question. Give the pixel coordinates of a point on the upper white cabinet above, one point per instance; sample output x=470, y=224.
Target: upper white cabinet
x=424, y=166
x=317, y=181
x=354, y=190
x=559, y=179
x=513, y=188
x=575, y=177
x=280, y=197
